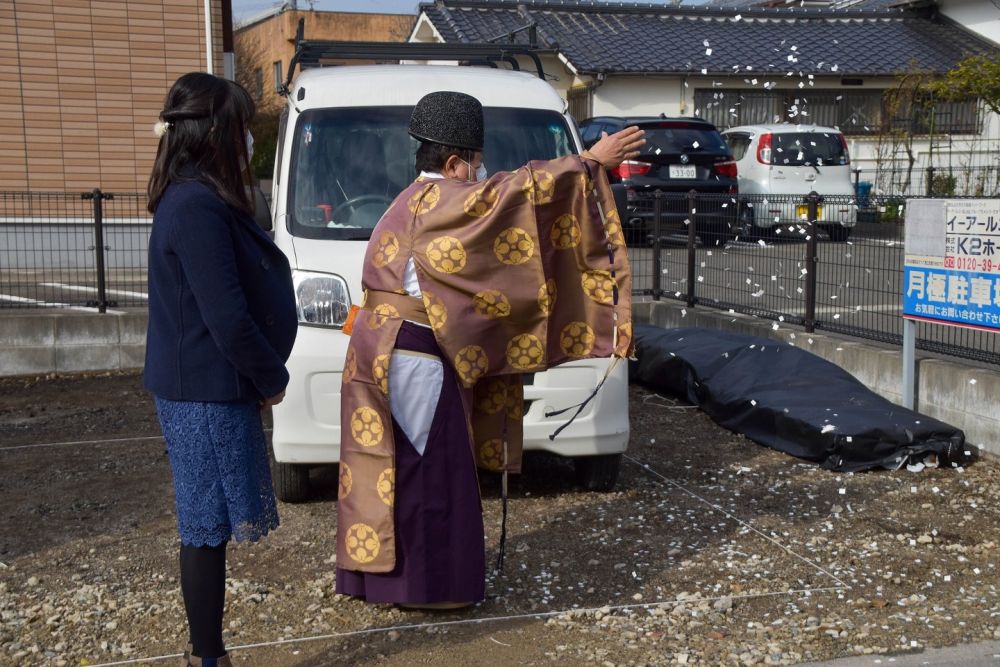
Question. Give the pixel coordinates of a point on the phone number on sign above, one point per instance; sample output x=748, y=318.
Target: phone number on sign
x=971, y=264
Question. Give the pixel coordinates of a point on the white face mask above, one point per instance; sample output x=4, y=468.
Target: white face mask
x=249, y=145
x=478, y=174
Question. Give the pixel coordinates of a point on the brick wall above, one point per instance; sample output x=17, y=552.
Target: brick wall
x=83, y=83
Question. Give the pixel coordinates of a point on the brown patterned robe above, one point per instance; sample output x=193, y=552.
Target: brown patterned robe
x=519, y=273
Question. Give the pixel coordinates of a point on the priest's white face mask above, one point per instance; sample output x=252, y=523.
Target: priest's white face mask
x=477, y=174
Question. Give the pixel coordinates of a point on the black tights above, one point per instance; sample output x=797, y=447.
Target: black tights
x=203, y=584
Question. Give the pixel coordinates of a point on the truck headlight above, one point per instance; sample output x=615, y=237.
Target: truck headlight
x=321, y=299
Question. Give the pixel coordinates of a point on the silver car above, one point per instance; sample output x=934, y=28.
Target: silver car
x=777, y=165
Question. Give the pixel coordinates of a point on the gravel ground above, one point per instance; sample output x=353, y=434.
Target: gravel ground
x=712, y=550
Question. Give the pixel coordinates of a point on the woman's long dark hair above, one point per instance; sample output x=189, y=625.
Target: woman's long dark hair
x=208, y=118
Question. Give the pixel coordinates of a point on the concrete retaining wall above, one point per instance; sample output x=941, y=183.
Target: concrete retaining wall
x=33, y=342
x=958, y=393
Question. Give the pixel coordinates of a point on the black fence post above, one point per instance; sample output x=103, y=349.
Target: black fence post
x=692, y=199
x=657, y=260
x=812, y=261
x=930, y=181
x=102, y=300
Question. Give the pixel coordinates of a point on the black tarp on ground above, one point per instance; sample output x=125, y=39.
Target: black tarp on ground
x=789, y=399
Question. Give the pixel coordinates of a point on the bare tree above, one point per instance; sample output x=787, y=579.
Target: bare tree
x=249, y=61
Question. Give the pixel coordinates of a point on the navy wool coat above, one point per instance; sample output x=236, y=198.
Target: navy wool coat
x=222, y=315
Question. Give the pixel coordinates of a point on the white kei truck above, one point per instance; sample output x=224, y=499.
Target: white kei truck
x=343, y=154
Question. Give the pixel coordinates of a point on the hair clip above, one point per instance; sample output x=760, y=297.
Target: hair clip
x=160, y=128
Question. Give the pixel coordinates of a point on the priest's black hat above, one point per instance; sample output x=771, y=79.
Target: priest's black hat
x=448, y=118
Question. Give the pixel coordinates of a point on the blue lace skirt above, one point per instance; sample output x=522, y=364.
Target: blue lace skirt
x=222, y=481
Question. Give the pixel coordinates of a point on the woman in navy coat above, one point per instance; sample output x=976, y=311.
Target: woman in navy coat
x=222, y=321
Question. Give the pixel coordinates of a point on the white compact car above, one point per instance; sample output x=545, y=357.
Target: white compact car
x=343, y=155
x=776, y=165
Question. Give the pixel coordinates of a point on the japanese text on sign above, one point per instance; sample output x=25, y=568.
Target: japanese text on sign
x=972, y=235
x=961, y=297
x=952, y=267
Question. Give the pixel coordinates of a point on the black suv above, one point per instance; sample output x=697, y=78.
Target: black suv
x=681, y=154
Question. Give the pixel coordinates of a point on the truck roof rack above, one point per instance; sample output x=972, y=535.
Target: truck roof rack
x=313, y=52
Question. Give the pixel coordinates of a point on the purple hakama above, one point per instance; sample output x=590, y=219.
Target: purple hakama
x=440, y=552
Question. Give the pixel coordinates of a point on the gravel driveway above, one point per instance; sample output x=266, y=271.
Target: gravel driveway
x=712, y=550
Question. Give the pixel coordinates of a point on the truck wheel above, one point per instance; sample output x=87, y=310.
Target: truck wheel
x=838, y=233
x=597, y=473
x=291, y=482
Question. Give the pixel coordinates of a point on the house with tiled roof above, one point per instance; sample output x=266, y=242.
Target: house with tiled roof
x=824, y=63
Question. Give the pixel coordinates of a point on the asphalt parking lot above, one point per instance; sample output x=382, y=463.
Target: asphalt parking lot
x=712, y=550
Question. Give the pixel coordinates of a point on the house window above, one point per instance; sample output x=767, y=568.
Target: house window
x=258, y=84
x=276, y=66
x=853, y=111
x=580, y=103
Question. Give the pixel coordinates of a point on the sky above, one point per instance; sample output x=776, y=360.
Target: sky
x=245, y=8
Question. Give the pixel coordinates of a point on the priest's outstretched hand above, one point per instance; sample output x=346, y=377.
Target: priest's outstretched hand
x=613, y=149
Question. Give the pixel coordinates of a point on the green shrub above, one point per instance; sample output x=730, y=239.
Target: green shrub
x=942, y=185
x=265, y=140
x=893, y=210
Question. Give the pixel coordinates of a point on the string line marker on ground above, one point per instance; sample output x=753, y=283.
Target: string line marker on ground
x=645, y=466
x=482, y=621
x=90, y=442
x=805, y=592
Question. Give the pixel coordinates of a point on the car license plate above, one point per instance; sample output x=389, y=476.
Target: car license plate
x=683, y=171
x=802, y=212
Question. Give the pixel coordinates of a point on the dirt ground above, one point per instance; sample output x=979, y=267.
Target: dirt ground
x=712, y=550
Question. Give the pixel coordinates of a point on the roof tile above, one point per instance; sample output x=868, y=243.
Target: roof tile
x=642, y=38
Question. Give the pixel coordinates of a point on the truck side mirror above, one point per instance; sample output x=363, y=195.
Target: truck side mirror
x=261, y=211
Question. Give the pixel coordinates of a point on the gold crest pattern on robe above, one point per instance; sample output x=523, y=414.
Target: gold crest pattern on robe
x=519, y=273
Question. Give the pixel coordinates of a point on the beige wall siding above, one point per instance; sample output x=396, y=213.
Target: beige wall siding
x=84, y=82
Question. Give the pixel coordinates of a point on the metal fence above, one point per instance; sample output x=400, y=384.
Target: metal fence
x=749, y=254
x=761, y=256
x=73, y=250
x=939, y=181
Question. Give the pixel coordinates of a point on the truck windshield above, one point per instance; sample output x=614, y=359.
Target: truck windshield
x=349, y=164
